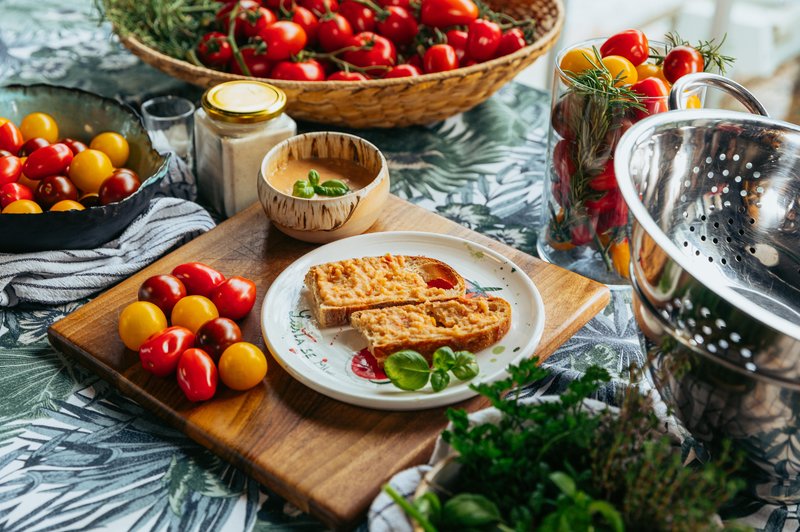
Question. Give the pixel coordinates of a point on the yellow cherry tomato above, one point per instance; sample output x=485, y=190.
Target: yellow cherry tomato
x=3, y=120
x=242, y=366
x=23, y=206
x=193, y=311
x=67, y=205
x=138, y=321
x=89, y=169
x=621, y=69
x=621, y=258
x=649, y=70
x=114, y=145
x=693, y=102
x=577, y=60
x=39, y=125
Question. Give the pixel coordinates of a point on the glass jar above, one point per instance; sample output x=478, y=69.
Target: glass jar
x=238, y=123
x=585, y=219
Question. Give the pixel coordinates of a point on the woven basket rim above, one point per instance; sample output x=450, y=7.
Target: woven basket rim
x=541, y=45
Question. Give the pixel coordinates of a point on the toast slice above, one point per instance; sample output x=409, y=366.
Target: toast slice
x=463, y=324
x=340, y=288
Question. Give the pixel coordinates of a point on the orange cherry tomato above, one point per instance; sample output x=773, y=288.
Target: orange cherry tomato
x=621, y=70
x=39, y=125
x=242, y=366
x=22, y=206
x=649, y=70
x=621, y=257
x=193, y=311
x=138, y=321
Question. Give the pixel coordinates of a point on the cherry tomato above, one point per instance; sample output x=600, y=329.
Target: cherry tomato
x=11, y=192
x=224, y=14
x=164, y=291
x=139, y=321
x=399, y=26
x=566, y=113
x=10, y=169
x=31, y=145
x=114, y=145
x=399, y=3
x=216, y=335
x=214, y=50
x=10, y=138
x=75, y=145
x=654, y=93
x=161, y=352
x=283, y=39
x=376, y=53
x=88, y=169
x=39, y=125
x=234, y=297
x=252, y=22
x=630, y=44
x=308, y=21
x=649, y=70
x=320, y=7
x=403, y=71
x=23, y=179
x=614, y=211
x=605, y=180
x=512, y=41
x=6, y=153
x=680, y=61
x=458, y=40
x=445, y=13
x=193, y=311
x=22, y=206
x=310, y=70
x=198, y=278
x=582, y=234
x=117, y=187
x=67, y=205
x=440, y=58
x=257, y=63
x=360, y=17
x=341, y=75
x=577, y=60
x=483, y=40
x=55, y=188
x=89, y=200
x=280, y=5
x=564, y=168
x=197, y=375
x=621, y=70
x=334, y=33
x=127, y=171
x=242, y=366
x=50, y=160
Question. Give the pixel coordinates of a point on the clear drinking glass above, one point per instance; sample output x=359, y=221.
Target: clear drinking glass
x=170, y=122
x=585, y=219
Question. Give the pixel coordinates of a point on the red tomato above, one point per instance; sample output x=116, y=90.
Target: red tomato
x=242, y=6
x=310, y=70
x=630, y=44
x=320, y=7
x=163, y=291
x=257, y=63
x=334, y=33
x=602, y=204
x=197, y=375
x=564, y=113
x=655, y=96
x=10, y=137
x=399, y=3
x=216, y=335
x=6, y=153
x=376, y=53
x=10, y=169
x=234, y=298
x=341, y=75
x=214, y=49
x=512, y=41
x=284, y=39
x=199, y=279
x=403, y=71
x=161, y=352
x=360, y=17
x=606, y=180
x=680, y=61
x=31, y=145
x=254, y=21
x=55, y=188
x=11, y=192
x=118, y=187
x=285, y=5
x=444, y=13
x=308, y=21
x=75, y=145
x=46, y=161
x=584, y=233
x=399, y=26
x=458, y=40
x=440, y=58
x=564, y=168
x=483, y=40
x=615, y=214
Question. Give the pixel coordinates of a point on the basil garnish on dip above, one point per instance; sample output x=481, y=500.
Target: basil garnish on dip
x=307, y=188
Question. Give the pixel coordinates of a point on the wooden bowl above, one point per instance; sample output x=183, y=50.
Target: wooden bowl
x=322, y=220
x=390, y=102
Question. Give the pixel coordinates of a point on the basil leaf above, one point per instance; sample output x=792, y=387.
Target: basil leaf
x=332, y=187
x=469, y=510
x=302, y=189
x=439, y=380
x=444, y=358
x=429, y=506
x=408, y=370
x=313, y=177
x=466, y=366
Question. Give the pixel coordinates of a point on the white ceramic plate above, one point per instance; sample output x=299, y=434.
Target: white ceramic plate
x=328, y=360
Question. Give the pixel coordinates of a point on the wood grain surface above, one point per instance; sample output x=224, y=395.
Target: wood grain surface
x=326, y=457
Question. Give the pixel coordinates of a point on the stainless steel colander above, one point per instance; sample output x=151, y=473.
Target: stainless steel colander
x=715, y=201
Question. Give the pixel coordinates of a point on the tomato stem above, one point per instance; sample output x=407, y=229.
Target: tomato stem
x=237, y=54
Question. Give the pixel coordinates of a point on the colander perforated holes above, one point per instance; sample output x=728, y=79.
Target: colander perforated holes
x=720, y=323
x=760, y=190
x=714, y=189
x=756, y=174
x=703, y=217
x=735, y=337
x=746, y=353
x=685, y=244
x=687, y=183
x=697, y=252
x=706, y=329
x=752, y=221
x=723, y=261
x=705, y=313
x=698, y=338
x=696, y=170
x=703, y=238
x=708, y=160
x=750, y=366
x=738, y=179
x=710, y=175
x=711, y=348
x=723, y=344
x=726, y=172
x=722, y=156
x=691, y=229
x=736, y=157
x=725, y=189
x=738, y=258
x=743, y=193
x=715, y=239
x=710, y=259
x=749, y=166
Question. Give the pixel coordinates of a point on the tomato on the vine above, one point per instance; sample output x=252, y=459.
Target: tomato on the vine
x=320, y=7
x=11, y=192
x=403, y=71
x=197, y=375
x=376, y=52
x=256, y=61
x=10, y=169
x=399, y=3
x=283, y=39
x=334, y=33
x=50, y=160
x=224, y=14
x=440, y=58
x=254, y=21
x=654, y=93
x=308, y=21
x=680, y=61
x=160, y=353
x=10, y=137
x=512, y=41
x=310, y=70
x=445, y=13
x=55, y=188
x=483, y=39
x=458, y=40
x=341, y=75
x=399, y=26
x=214, y=49
x=630, y=44
x=360, y=17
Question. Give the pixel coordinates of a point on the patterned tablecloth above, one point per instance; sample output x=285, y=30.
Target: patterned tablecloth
x=75, y=454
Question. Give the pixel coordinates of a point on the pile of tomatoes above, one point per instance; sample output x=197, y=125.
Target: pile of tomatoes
x=41, y=171
x=204, y=343
x=356, y=40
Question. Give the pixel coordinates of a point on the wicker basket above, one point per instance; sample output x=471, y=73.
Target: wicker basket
x=391, y=102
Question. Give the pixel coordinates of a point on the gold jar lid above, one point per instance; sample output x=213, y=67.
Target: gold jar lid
x=244, y=102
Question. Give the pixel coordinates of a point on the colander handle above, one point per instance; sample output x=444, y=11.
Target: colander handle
x=704, y=79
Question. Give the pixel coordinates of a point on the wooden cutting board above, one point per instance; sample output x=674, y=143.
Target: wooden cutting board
x=326, y=457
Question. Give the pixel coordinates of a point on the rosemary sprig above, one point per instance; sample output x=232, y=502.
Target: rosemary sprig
x=713, y=59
